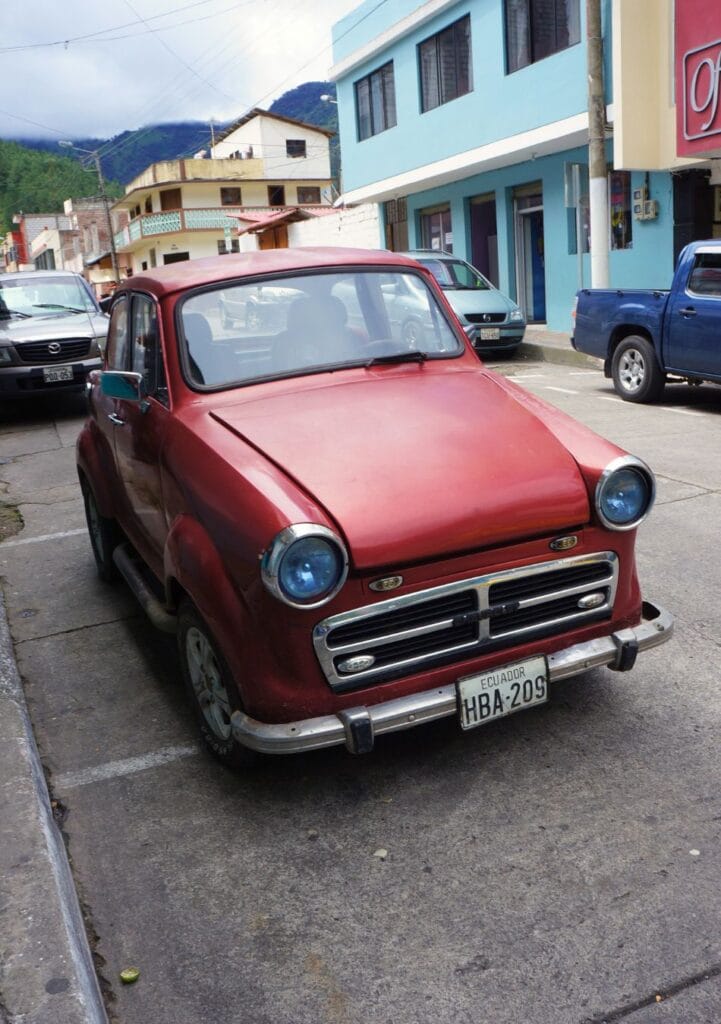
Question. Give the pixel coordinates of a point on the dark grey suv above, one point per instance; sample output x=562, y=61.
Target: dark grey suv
x=51, y=333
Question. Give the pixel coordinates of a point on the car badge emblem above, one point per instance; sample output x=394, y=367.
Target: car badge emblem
x=386, y=584
x=55, y=348
x=358, y=663
x=563, y=543
x=486, y=318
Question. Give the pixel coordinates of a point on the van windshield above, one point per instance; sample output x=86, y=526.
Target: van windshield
x=456, y=274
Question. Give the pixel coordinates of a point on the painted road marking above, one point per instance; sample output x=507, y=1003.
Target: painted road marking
x=43, y=537
x=681, y=412
x=583, y=373
x=115, y=769
x=528, y=376
x=608, y=398
x=564, y=391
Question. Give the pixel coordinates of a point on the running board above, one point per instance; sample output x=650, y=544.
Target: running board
x=133, y=576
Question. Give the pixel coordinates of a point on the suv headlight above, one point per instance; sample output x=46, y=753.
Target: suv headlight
x=6, y=354
x=305, y=565
x=625, y=493
x=516, y=315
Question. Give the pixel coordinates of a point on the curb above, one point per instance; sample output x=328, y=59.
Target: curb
x=46, y=966
x=556, y=354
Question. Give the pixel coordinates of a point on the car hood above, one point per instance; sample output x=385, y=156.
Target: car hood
x=54, y=328
x=469, y=300
x=415, y=465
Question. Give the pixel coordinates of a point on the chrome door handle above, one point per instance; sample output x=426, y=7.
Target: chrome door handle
x=689, y=311
x=116, y=420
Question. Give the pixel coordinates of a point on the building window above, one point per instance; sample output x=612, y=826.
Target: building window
x=295, y=147
x=308, y=194
x=170, y=199
x=148, y=204
x=375, y=102
x=230, y=197
x=444, y=63
x=436, y=229
x=537, y=28
x=224, y=248
x=276, y=195
x=619, y=209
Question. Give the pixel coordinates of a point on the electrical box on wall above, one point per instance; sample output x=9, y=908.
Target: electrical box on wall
x=643, y=207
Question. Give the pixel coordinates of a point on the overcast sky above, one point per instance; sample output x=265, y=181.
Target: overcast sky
x=208, y=58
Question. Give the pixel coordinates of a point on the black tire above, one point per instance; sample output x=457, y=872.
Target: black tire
x=104, y=536
x=211, y=689
x=637, y=377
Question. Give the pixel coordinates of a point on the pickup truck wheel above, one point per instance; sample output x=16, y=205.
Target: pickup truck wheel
x=104, y=537
x=210, y=686
x=637, y=377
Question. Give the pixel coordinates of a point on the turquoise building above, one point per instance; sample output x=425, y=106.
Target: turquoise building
x=465, y=119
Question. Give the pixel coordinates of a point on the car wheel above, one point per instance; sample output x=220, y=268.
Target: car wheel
x=637, y=377
x=413, y=335
x=210, y=687
x=104, y=537
x=253, y=318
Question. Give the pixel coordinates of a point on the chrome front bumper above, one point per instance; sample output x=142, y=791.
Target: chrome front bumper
x=357, y=727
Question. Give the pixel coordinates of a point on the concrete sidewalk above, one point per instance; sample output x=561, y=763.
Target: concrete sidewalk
x=46, y=965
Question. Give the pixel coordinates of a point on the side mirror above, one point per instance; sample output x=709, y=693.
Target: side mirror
x=130, y=387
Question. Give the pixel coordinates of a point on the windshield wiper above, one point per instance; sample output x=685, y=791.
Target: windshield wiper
x=5, y=314
x=398, y=357
x=57, y=305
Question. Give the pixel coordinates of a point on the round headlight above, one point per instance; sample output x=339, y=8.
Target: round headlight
x=625, y=493
x=305, y=566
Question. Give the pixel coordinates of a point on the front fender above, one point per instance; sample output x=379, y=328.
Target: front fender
x=95, y=462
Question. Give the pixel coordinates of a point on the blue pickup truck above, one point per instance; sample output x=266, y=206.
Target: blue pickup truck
x=645, y=337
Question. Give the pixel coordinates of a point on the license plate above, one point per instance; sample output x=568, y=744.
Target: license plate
x=490, y=333
x=51, y=374
x=502, y=691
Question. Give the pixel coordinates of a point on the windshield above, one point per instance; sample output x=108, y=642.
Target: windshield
x=44, y=296
x=456, y=274
x=311, y=323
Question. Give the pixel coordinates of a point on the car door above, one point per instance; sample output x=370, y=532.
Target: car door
x=103, y=407
x=140, y=429
x=694, y=319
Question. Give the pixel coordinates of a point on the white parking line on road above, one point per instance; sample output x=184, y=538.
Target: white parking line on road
x=583, y=373
x=44, y=536
x=608, y=398
x=681, y=412
x=528, y=376
x=564, y=391
x=114, y=769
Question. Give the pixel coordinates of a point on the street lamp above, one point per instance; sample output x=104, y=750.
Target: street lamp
x=95, y=156
x=327, y=98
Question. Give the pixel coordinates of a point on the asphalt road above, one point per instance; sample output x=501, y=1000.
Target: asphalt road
x=557, y=867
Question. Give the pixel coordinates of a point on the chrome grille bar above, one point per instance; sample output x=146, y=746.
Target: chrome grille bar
x=386, y=651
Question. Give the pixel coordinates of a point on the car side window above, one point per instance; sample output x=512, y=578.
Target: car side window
x=116, y=351
x=705, y=277
x=146, y=355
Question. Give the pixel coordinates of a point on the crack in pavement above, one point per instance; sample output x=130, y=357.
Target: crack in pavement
x=78, y=629
x=664, y=993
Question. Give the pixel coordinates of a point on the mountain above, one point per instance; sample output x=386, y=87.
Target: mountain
x=36, y=176
x=39, y=182
x=126, y=155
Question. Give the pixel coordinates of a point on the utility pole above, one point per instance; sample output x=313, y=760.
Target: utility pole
x=598, y=184
x=95, y=156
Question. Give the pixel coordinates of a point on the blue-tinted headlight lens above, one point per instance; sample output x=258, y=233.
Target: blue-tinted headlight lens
x=310, y=568
x=625, y=496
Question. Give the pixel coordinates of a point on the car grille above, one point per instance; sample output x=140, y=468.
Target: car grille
x=485, y=318
x=407, y=634
x=39, y=352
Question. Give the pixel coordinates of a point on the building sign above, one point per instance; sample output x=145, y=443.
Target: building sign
x=698, y=77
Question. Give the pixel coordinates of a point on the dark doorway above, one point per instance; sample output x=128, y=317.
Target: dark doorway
x=693, y=209
x=276, y=195
x=176, y=257
x=484, y=237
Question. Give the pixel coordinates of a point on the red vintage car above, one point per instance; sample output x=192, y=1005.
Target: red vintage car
x=352, y=528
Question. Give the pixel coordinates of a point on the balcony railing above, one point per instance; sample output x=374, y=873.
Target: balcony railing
x=150, y=225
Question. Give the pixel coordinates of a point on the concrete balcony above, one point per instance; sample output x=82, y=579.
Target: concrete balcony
x=170, y=171
x=169, y=222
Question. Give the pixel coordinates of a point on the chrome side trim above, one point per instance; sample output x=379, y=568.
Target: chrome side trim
x=656, y=627
x=327, y=651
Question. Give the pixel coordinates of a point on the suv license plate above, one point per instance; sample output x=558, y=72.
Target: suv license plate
x=490, y=333
x=51, y=374
x=502, y=691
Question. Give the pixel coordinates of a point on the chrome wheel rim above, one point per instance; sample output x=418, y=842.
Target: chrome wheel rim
x=207, y=683
x=631, y=369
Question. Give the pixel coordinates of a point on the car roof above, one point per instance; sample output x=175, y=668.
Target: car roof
x=30, y=274
x=216, y=269
x=436, y=254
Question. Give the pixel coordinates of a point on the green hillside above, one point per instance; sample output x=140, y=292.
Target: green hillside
x=34, y=181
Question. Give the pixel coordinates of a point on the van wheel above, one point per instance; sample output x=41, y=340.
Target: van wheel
x=637, y=377
x=211, y=688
